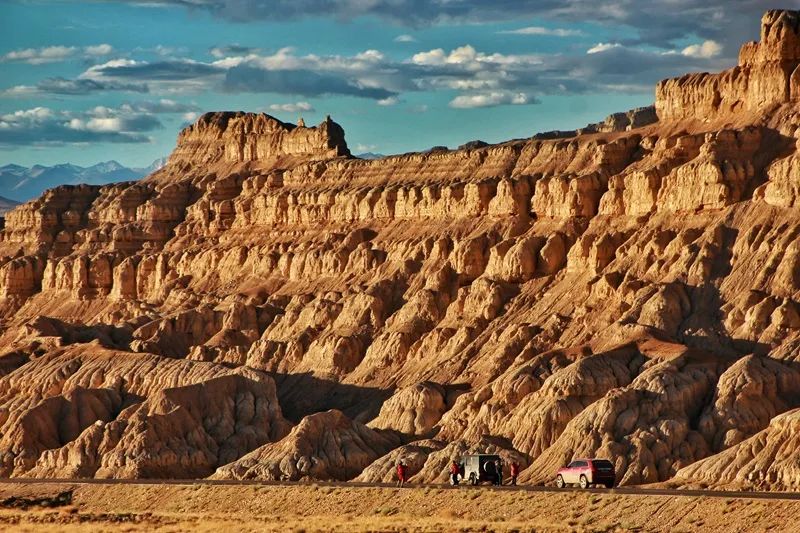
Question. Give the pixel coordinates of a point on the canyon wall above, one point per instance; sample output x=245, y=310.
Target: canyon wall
x=767, y=75
x=267, y=306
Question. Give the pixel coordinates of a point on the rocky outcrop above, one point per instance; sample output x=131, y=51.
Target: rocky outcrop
x=624, y=121
x=765, y=461
x=324, y=446
x=414, y=410
x=766, y=76
x=244, y=137
x=94, y=415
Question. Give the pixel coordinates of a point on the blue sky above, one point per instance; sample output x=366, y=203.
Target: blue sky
x=89, y=81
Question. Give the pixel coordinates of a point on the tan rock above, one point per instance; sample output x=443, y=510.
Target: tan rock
x=414, y=410
x=323, y=446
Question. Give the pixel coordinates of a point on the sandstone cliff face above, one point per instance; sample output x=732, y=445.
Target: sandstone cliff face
x=245, y=137
x=266, y=306
x=90, y=412
x=766, y=76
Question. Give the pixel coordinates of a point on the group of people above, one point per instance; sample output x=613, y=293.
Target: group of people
x=457, y=472
x=494, y=468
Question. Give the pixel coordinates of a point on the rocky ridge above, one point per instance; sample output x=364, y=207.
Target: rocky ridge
x=266, y=306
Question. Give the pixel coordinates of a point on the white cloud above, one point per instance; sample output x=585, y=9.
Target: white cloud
x=370, y=55
x=19, y=91
x=99, y=50
x=437, y=57
x=392, y=100
x=55, y=54
x=44, y=126
x=190, y=117
x=490, y=99
x=540, y=30
x=467, y=57
x=706, y=50
x=38, y=56
x=297, y=107
x=405, y=38
x=431, y=57
x=36, y=113
x=105, y=124
x=95, y=71
x=602, y=47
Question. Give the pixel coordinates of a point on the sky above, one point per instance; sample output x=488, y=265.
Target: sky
x=89, y=81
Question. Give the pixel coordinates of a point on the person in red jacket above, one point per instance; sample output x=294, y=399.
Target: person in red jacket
x=514, y=472
x=455, y=471
x=402, y=473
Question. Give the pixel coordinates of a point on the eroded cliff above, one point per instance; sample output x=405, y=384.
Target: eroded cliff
x=268, y=306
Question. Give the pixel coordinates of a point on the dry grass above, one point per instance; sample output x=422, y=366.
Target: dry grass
x=207, y=509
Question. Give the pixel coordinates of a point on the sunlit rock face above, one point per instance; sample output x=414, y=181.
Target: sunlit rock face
x=267, y=306
x=767, y=75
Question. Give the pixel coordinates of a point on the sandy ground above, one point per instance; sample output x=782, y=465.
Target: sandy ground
x=306, y=508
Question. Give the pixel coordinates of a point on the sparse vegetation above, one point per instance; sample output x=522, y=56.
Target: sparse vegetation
x=314, y=508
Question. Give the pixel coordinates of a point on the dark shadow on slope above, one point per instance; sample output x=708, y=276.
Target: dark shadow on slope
x=304, y=394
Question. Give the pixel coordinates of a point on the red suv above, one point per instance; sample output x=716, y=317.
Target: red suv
x=587, y=472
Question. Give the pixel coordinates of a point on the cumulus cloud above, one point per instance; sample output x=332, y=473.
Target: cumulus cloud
x=99, y=50
x=467, y=56
x=54, y=54
x=390, y=101
x=405, y=38
x=492, y=99
x=41, y=126
x=296, y=107
x=38, y=56
x=707, y=49
x=540, y=30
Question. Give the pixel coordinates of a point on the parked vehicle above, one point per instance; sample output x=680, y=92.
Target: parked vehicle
x=585, y=472
x=481, y=468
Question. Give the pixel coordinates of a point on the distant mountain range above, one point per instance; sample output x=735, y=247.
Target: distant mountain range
x=7, y=205
x=18, y=183
x=370, y=155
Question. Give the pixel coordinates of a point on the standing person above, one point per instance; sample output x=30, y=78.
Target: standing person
x=455, y=471
x=402, y=471
x=498, y=468
x=514, y=472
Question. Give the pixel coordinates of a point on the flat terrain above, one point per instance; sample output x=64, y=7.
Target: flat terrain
x=295, y=507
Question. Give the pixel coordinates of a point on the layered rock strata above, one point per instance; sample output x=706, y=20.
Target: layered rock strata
x=767, y=75
x=266, y=306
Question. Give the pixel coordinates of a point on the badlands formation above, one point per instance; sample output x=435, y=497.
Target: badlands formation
x=268, y=307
